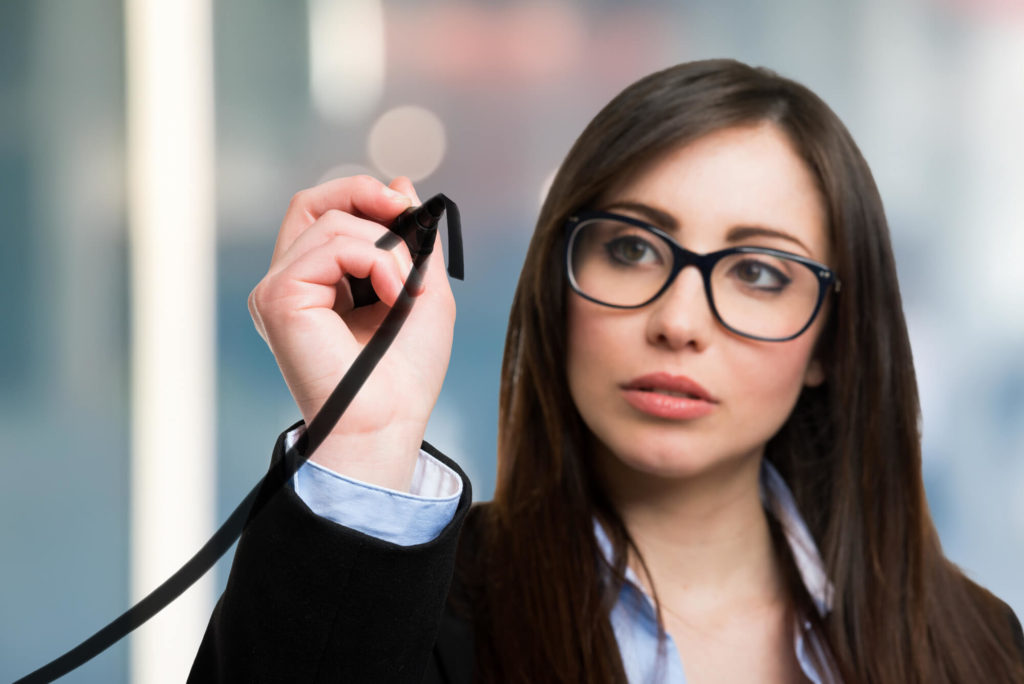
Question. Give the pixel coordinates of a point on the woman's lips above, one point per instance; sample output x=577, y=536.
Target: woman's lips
x=676, y=397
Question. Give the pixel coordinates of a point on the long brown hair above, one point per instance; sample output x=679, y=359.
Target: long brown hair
x=850, y=451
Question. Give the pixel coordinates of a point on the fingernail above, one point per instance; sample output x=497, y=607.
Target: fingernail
x=396, y=196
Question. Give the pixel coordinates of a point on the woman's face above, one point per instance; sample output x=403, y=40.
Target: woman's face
x=700, y=194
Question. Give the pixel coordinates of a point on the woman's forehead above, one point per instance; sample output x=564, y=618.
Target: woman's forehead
x=749, y=176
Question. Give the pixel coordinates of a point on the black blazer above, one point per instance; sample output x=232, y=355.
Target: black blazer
x=308, y=600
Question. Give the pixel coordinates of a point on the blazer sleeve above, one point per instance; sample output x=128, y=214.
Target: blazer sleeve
x=309, y=600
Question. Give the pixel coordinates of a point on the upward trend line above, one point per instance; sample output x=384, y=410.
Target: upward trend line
x=268, y=486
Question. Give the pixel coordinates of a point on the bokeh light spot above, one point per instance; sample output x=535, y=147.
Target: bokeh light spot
x=407, y=141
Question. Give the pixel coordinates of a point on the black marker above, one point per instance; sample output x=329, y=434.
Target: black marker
x=417, y=226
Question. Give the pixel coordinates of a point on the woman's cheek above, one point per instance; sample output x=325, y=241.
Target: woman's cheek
x=768, y=382
x=592, y=350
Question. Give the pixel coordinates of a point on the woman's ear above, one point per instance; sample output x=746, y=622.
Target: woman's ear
x=815, y=374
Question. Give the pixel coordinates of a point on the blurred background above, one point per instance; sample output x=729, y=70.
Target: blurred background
x=480, y=100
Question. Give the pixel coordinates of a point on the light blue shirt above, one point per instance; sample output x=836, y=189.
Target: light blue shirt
x=418, y=516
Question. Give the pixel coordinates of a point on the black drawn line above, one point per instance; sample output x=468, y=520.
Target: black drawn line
x=409, y=226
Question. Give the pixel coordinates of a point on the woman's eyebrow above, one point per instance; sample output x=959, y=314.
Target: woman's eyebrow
x=665, y=220
x=660, y=218
x=743, y=232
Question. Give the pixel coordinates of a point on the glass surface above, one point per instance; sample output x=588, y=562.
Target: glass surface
x=930, y=91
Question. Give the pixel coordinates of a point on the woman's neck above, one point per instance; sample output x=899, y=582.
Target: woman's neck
x=704, y=539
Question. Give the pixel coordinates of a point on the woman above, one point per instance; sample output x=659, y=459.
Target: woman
x=651, y=418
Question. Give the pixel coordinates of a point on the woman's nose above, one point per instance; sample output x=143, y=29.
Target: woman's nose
x=681, y=316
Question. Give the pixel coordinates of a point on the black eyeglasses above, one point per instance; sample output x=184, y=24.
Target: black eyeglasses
x=761, y=293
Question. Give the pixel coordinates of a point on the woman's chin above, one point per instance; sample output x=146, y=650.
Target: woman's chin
x=670, y=463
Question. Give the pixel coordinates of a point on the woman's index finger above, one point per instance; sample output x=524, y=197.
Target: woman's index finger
x=362, y=196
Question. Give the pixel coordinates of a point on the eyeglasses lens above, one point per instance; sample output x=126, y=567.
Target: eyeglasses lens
x=757, y=294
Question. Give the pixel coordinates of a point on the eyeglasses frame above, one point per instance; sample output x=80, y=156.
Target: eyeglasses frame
x=705, y=263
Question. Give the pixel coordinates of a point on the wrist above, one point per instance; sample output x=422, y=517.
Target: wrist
x=385, y=458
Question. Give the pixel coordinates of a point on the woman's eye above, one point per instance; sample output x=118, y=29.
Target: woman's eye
x=631, y=250
x=760, y=275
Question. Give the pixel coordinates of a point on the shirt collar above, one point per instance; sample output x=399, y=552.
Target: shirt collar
x=779, y=501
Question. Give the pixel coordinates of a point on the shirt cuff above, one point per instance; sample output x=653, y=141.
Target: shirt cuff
x=402, y=518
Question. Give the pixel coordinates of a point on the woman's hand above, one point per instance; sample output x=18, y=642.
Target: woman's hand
x=303, y=310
